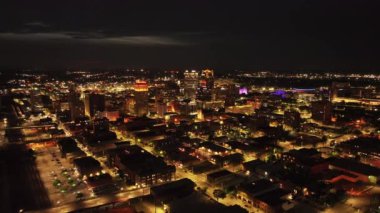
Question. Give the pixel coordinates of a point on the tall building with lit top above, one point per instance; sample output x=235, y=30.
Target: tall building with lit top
x=141, y=98
x=190, y=84
x=205, y=85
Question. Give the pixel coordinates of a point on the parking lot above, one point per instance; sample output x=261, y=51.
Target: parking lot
x=58, y=177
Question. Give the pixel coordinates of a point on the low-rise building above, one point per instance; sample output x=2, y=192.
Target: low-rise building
x=140, y=167
x=265, y=195
x=306, y=160
x=173, y=190
x=87, y=166
x=355, y=171
x=219, y=176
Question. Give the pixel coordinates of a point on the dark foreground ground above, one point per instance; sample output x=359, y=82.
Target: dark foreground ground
x=20, y=184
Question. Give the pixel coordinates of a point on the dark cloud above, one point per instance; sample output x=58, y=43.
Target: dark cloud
x=99, y=38
x=271, y=34
x=37, y=24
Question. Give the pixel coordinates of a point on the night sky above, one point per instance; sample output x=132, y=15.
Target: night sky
x=334, y=35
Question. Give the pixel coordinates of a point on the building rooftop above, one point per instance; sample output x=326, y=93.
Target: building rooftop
x=273, y=198
x=218, y=174
x=99, y=180
x=68, y=145
x=303, y=153
x=213, y=147
x=172, y=190
x=93, y=139
x=142, y=162
x=197, y=202
x=352, y=165
x=252, y=165
x=257, y=187
x=86, y=163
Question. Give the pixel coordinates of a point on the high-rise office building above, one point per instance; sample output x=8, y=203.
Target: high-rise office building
x=231, y=94
x=129, y=104
x=75, y=104
x=205, y=85
x=94, y=103
x=141, y=98
x=161, y=109
x=190, y=84
x=169, y=92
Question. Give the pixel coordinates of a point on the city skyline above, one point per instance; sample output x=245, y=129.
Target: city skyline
x=242, y=142
x=259, y=106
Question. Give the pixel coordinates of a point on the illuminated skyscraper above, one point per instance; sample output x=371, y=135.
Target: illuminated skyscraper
x=190, y=84
x=206, y=85
x=141, y=98
x=129, y=107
